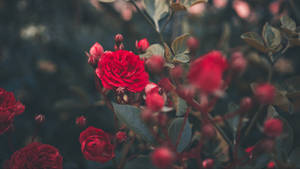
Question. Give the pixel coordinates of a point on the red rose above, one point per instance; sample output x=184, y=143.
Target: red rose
x=122, y=69
x=36, y=156
x=9, y=108
x=96, y=145
x=206, y=72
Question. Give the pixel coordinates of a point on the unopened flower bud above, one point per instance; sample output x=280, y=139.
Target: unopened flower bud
x=265, y=93
x=81, y=121
x=246, y=104
x=95, y=53
x=155, y=102
x=162, y=157
x=142, y=45
x=192, y=44
x=155, y=63
x=176, y=72
x=166, y=85
x=119, y=38
x=121, y=136
x=39, y=118
x=271, y=165
x=151, y=88
x=208, y=163
x=238, y=62
x=208, y=131
x=273, y=127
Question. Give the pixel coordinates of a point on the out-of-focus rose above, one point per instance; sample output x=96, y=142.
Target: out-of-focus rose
x=242, y=8
x=96, y=145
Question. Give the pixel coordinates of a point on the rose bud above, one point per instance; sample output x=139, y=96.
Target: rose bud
x=176, y=72
x=192, y=43
x=142, y=45
x=271, y=165
x=246, y=104
x=265, y=93
x=155, y=102
x=238, y=62
x=208, y=163
x=162, y=157
x=208, y=131
x=155, y=63
x=166, y=85
x=39, y=118
x=121, y=136
x=81, y=121
x=273, y=127
x=119, y=38
x=151, y=88
x=95, y=53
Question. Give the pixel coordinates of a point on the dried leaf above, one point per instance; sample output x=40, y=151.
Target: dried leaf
x=254, y=40
x=272, y=37
x=288, y=24
x=179, y=44
x=155, y=49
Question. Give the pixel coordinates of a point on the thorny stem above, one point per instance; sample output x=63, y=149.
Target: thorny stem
x=152, y=25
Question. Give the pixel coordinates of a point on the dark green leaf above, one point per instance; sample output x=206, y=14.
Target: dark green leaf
x=254, y=40
x=174, y=131
x=181, y=107
x=155, y=49
x=130, y=115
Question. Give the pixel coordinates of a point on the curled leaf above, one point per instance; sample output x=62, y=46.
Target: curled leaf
x=254, y=40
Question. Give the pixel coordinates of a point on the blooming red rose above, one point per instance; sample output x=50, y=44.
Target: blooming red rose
x=36, y=156
x=96, y=145
x=206, y=72
x=122, y=69
x=9, y=108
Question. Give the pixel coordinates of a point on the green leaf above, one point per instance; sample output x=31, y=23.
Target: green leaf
x=287, y=23
x=174, y=131
x=155, y=49
x=107, y=1
x=130, y=115
x=254, y=40
x=157, y=9
x=179, y=44
x=181, y=58
x=181, y=107
x=272, y=37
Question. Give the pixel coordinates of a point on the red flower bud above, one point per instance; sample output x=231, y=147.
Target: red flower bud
x=95, y=53
x=265, y=93
x=208, y=163
x=155, y=102
x=142, y=45
x=271, y=165
x=166, y=85
x=246, y=104
x=81, y=121
x=162, y=157
x=121, y=136
x=39, y=118
x=155, y=63
x=208, y=131
x=151, y=88
x=238, y=62
x=176, y=72
x=119, y=38
x=273, y=127
x=192, y=43
x=147, y=115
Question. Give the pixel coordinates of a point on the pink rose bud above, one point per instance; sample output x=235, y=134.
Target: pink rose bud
x=238, y=62
x=162, y=157
x=192, y=44
x=246, y=104
x=155, y=63
x=265, y=93
x=142, y=45
x=39, y=118
x=81, y=121
x=208, y=163
x=176, y=72
x=95, y=53
x=151, y=88
x=121, y=136
x=155, y=102
x=273, y=127
x=208, y=131
x=119, y=38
